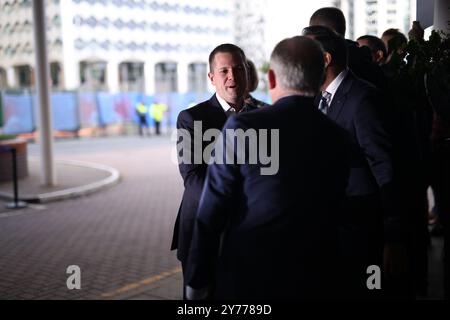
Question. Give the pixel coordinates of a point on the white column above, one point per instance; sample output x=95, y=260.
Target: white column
x=11, y=77
x=70, y=63
x=182, y=71
x=441, y=15
x=149, y=75
x=42, y=86
x=71, y=74
x=112, y=76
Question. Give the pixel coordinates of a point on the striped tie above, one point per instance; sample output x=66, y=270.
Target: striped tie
x=230, y=111
x=324, y=102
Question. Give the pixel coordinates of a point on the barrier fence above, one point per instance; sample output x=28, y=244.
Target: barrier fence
x=73, y=110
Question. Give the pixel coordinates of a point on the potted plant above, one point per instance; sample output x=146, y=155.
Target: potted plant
x=7, y=143
x=422, y=73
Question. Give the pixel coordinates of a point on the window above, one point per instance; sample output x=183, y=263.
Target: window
x=197, y=77
x=24, y=75
x=93, y=74
x=166, y=77
x=55, y=74
x=3, y=81
x=131, y=76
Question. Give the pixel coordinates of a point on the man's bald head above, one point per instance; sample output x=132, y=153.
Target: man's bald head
x=298, y=64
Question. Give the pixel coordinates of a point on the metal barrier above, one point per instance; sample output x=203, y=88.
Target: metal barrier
x=16, y=204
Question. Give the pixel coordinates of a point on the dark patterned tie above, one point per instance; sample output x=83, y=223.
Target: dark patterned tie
x=230, y=111
x=325, y=102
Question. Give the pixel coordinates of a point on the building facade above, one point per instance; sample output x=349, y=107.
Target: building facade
x=116, y=45
x=261, y=24
x=373, y=17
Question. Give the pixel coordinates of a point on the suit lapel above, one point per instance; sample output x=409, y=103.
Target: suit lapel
x=216, y=114
x=340, y=97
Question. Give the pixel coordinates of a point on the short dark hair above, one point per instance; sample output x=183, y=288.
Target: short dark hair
x=375, y=44
x=298, y=64
x=391, y=32
x=397, y=39
x=225, y=48
x=331, y=42
x=252, y=76
x=330, y=17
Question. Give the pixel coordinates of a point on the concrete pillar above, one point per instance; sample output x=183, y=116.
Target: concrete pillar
x=71, y=74
x=70, y=64
x=11, y=77
x=42, y=86
x=182, y=70
x=441, y=15
x=112, y=76
x=149, y=76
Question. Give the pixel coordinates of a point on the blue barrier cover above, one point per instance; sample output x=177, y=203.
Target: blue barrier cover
x=106, y=108
x=18, y=113
x=64, y=111
x=71, y=110
x=87, y=104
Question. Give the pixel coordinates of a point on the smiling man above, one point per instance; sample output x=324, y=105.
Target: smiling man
x=228, y=74
x=274, y=236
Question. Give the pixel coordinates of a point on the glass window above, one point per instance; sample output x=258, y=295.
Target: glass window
x=197, y=77
x=166, y=77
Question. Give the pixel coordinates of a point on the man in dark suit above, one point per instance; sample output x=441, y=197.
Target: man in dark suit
x=370, y=220
x=228, y=75
x=274, y=236
x=359, y=58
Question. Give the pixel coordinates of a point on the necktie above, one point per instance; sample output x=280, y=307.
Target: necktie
x=230, y=111
x=324, y=102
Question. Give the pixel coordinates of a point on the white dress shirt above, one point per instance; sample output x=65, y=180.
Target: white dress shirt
x=225, y=106
x=334, y=85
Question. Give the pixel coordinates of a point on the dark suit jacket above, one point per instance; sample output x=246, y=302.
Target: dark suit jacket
x=369, y=218
x=279, y=232
x=212, y=116
x=360, y=108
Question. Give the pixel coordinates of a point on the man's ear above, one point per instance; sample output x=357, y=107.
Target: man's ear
x=379, y=56
x=327, y=57
x=211, y=77
x=272, y=79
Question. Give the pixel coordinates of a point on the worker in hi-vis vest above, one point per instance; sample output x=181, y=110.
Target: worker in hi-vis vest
x=157, y=113
x=142, y=110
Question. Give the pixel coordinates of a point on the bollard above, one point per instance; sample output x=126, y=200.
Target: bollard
x=16, y=204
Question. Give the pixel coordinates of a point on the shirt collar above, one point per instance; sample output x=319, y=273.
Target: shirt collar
x=334, y=85
x=225, y=106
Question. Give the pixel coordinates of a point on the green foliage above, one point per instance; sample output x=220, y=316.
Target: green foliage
x=417, y=59
x=7, y=137
x=265, y=67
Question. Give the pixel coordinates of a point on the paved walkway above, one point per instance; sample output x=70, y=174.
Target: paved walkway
x=119, y=237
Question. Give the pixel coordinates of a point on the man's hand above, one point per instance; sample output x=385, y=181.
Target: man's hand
x=395, y=260
x=197, y=294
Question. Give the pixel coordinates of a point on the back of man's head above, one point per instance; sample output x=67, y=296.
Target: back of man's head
x=331, y=42
x=253, y=80
x=298, y=64
x=225, y=48
x=330, y=17
x=393, y=39
x=374, y=43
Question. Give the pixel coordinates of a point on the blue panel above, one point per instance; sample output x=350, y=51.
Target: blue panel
x=18, y=113
x=87, y=103
x=106, y=106
x=64, y=111
x=125, y=104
